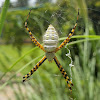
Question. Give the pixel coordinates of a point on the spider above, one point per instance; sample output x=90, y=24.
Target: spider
x=50, y=40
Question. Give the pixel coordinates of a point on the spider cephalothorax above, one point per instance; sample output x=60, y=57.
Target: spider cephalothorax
x=50, y=40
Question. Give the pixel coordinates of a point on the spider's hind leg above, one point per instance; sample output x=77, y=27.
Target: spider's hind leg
x=34, y=69
x=64, y=73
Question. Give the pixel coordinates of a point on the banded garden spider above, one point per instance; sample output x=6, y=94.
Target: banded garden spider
x=50, y=40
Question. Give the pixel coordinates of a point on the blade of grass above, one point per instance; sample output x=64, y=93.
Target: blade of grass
x=77, y=79
x=79, y=41
x=18, y=61
x=3, y=14
x=44, y=92
x=15, y=92
x=91, y=83
x=19, y=71
x=83, y=36
x=84, y=12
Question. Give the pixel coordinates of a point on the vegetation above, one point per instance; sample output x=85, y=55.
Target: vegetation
x=18, y=54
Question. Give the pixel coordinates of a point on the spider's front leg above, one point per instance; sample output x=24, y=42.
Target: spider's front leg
x=31, y=36
x=63, y=72
x=34, y=69
x=69, y=36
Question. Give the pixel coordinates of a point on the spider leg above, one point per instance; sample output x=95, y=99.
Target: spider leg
x=34, y=69
x=64, y=73
x=31, y=36
x=69, y=36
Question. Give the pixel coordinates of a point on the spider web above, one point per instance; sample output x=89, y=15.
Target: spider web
x=80, y=25
x=69, y=23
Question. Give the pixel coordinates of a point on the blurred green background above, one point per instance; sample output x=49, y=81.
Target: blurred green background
x=18, y=54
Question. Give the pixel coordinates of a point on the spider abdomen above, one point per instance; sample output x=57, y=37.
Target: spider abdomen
x=50, y=39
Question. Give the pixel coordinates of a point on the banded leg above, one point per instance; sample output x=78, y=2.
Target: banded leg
x=64, y=73
x=34, y=69
x=31, y=36
x=69, y=36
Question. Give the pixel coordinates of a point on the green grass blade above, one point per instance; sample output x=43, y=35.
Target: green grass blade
x=18, y=61
x=80, y=41
x=19, y=71
x=83, y=36
x=3, y=14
